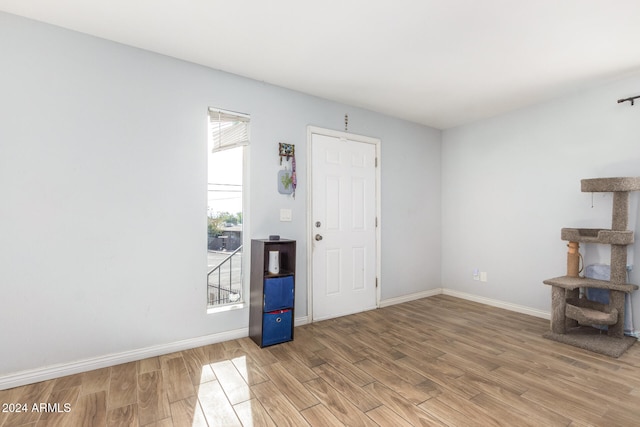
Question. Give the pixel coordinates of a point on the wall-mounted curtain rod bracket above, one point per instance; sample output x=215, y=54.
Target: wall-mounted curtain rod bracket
x=628, y=99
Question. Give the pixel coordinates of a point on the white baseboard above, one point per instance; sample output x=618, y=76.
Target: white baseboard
x=411, y=297
x=470, y=297
x=299, y=321
x=63, y=369
x=497, y=303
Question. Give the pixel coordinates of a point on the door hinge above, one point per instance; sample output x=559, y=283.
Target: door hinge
x=376, y=162
x=376, y=221
x=376, y=282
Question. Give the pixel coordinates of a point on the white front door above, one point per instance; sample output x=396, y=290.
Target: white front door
x=343, y=226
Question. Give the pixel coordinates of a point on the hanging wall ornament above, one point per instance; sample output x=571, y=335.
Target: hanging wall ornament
x=287, y=179
x=286, y=150
x=294, y=177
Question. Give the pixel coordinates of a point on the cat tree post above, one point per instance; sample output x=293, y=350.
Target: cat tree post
x=618, y=269
x=558, y=309
x=573, y=270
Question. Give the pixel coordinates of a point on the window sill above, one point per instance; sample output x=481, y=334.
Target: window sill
x=226, y=307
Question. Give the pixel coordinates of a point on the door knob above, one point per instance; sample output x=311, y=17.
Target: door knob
x=318, y=237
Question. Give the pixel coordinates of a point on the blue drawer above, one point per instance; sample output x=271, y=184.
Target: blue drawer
x=278, y=293
x=276, y=327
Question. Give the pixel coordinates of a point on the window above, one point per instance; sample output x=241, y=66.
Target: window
x=227, y=153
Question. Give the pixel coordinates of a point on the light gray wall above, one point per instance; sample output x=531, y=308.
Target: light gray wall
x=103, y=193
x=512, y=182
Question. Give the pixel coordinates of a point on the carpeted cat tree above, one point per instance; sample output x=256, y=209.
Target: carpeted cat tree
x=572, y=314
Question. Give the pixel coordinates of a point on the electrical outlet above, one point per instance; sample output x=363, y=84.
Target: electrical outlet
x=476, y=274
x=285, y=215
x=483, y=276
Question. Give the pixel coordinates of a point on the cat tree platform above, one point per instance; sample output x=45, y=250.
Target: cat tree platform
x=597, y=235
x=609, y=185
x=573, y=316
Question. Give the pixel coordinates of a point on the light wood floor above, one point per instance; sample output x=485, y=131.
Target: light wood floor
x=436, y=361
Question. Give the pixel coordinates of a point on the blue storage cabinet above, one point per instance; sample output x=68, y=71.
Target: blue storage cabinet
x=272, y=296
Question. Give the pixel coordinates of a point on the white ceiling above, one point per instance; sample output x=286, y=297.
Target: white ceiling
x=441, y=63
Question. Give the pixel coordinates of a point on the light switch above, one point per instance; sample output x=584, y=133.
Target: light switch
x=285, y=214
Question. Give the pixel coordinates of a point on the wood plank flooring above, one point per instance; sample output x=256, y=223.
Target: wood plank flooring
x=437, y=361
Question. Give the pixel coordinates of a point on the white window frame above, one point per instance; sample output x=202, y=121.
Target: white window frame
x=246, y=241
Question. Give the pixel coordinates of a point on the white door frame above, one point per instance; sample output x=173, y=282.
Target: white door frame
x=310, y=230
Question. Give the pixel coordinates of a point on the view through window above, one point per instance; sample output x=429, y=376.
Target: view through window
x=229, y=138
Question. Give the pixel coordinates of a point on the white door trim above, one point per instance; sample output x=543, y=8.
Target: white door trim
x=353, y=137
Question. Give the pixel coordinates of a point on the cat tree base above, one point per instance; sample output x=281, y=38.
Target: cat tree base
x=594, y=340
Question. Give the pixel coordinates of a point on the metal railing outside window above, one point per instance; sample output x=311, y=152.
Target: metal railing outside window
x=224, y=281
